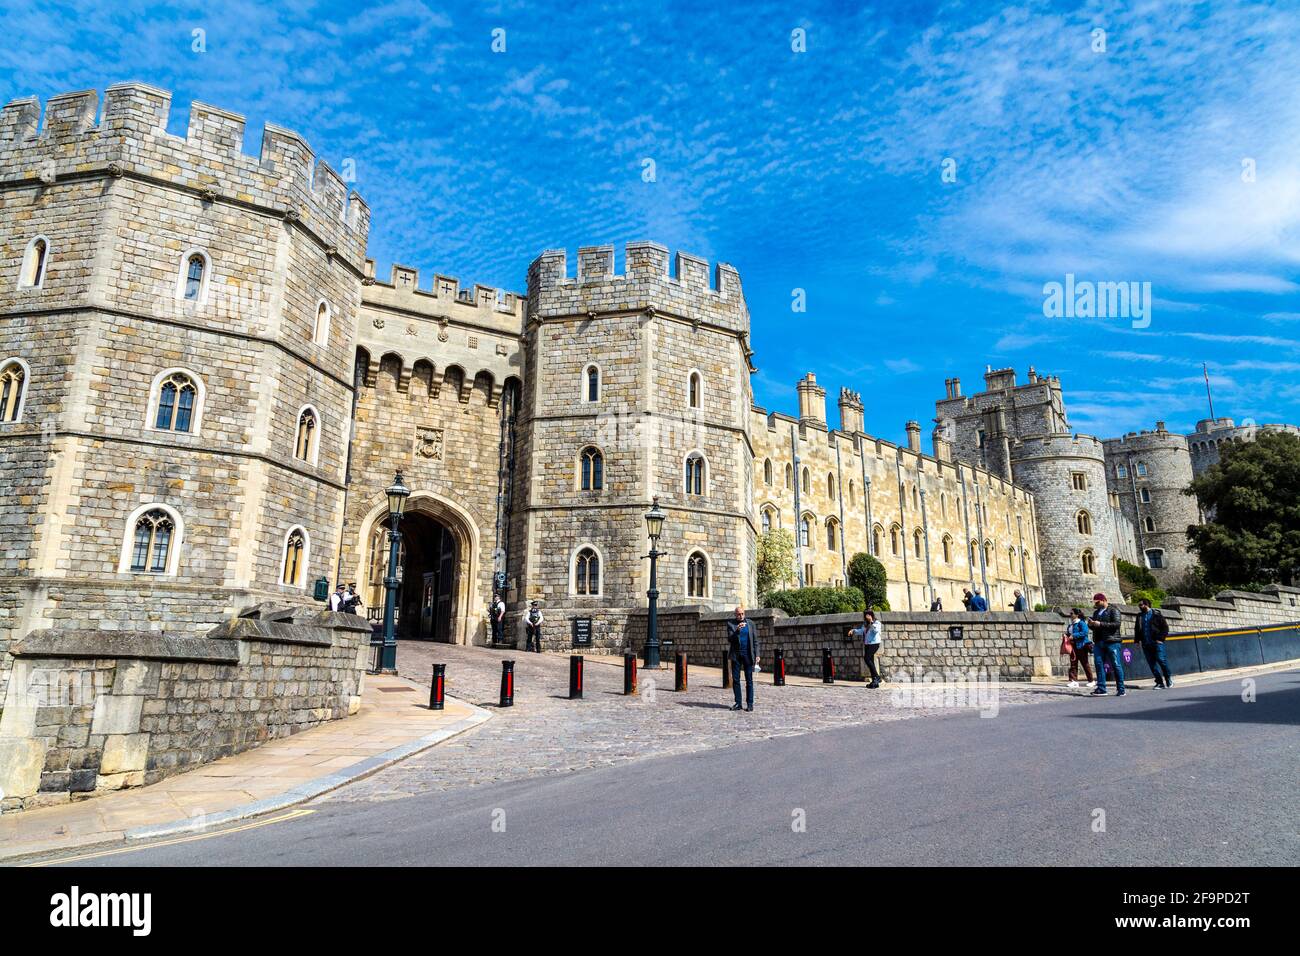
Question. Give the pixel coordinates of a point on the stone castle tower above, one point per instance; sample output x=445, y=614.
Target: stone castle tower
x=1146, y=473
x=1021, y=433
x=637, y=387
x=183, y=316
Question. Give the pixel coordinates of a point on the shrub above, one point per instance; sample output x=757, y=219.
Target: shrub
x=868, y=576
x=804, y=602
x=1133, y=577
x=1154, y=595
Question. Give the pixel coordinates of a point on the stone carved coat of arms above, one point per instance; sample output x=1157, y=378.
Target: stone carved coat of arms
x=428, y=443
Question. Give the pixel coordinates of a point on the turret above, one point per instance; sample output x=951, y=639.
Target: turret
x=851, y=417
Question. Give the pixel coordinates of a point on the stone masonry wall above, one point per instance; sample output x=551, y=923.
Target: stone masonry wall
x=88, y=711
x=1010, y=646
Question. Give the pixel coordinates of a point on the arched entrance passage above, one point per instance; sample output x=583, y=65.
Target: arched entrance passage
x=439, y=552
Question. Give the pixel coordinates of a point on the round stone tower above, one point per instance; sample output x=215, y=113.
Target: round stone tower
x=1077, y=536
x=1147, y=472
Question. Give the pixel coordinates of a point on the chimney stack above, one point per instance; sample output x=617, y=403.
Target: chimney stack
x=812, y=401
x=914, y=437
x=851, y=418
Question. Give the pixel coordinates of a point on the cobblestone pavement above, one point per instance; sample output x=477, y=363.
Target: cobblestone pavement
x=546, y=733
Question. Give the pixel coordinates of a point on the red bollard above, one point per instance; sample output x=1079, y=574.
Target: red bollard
x=575, y=677
x=629, y=675
x=828, y=666
x=778, y=668
x=438, y=689
x=507, y=683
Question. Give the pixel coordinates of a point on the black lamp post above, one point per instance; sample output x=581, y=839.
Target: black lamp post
x=397, y=494
x=654, y=525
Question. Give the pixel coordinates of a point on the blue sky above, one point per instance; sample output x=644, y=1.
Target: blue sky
x=818, y=170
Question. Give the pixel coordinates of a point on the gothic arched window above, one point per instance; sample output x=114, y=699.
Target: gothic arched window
x=592, y=469
x=295, y=558
x=1084, y=522
x=34, y=261
x=586, y=572
x=1089, y=562
x=695, y=474
x=152, y=542
x=177, y=403
x=697, y=575
x=308, y=426
x=13, y=389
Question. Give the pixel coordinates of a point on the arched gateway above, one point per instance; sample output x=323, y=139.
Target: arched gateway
x=438, y=561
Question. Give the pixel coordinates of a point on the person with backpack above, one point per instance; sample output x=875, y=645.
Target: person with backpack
x=1076, y=632
x=869, y=632
x=533, y=628
x=1104, y=626
x=1150, y=630
x=497, y=617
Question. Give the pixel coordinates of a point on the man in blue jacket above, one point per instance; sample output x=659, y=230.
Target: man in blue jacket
x=742, y=641
x=977, y=602
x=1150, y=631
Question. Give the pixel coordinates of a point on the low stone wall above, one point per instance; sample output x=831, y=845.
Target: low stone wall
x=1006, y=645
x=1274, y=605
x=88, y=711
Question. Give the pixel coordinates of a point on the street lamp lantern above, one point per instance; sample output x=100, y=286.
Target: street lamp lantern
x=397, y=493
x=654, y=526
x=654, y=521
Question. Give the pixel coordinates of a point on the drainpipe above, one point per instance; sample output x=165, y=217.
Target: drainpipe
x=902, y=522
x=925, y=534
x=839, y=481
x=965, y=518
x=979, y=526
x=798, y=517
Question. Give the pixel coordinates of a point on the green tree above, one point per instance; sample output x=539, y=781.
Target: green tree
x=868, y=576
x=1134, y=577
x=1253, y=494
x=775, y=560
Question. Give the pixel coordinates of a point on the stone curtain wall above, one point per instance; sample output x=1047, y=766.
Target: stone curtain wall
x=1010, y=646
x=1274, y=605
x=88, y=711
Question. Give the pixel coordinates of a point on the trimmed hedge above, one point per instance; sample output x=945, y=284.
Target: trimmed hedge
x=805, y=602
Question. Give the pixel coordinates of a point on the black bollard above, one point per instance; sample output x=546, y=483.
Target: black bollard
x=629, y=675
x=575, y=677
x=828, y=666
x=507, y=683
x=681, y=675
x=438, y=689
x=778, y=668
x=726, y=669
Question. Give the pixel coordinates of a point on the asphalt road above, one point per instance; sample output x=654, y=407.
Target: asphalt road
x=1191, y=776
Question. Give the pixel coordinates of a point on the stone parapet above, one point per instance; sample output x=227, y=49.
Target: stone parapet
x=89, y=711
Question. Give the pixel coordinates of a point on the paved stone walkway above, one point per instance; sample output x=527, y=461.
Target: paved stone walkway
x=546, y=733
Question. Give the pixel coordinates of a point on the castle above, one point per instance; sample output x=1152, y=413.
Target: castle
x=206, y=390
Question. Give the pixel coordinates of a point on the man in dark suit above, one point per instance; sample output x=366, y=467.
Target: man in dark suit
x=742, y=641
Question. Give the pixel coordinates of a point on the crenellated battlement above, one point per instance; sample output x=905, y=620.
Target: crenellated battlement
x=131, y=139
x=647, y=282
x=1065, y=445
x=445, y=290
